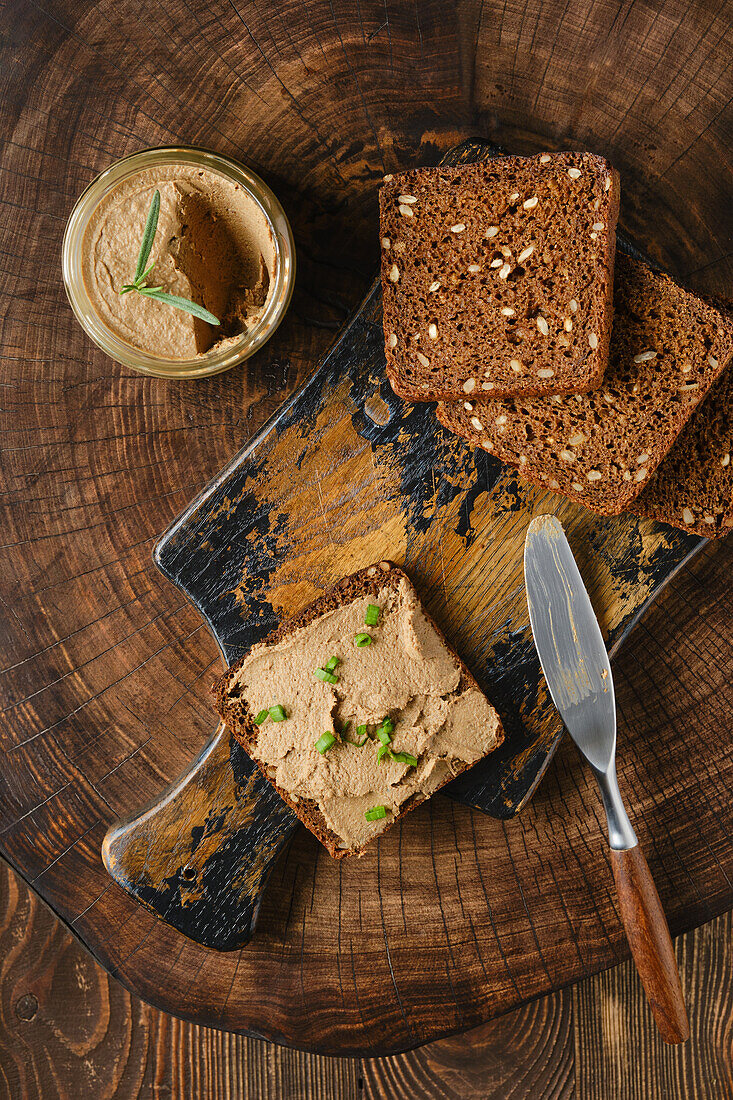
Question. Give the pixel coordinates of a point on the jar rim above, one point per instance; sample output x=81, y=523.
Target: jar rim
x=209, y=363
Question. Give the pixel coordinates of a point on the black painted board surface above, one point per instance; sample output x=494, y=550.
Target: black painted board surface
x=344, y=474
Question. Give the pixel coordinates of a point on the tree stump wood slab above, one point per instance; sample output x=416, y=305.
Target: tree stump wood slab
x=106, y=667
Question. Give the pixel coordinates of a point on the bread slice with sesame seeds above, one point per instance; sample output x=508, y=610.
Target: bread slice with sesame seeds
x=668, y=348
x=693, y=487
x=364, y=730
x=497, y=277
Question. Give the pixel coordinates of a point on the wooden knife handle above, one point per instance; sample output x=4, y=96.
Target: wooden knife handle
x=650, y=942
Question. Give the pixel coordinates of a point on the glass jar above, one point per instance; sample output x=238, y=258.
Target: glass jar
x=213, y=361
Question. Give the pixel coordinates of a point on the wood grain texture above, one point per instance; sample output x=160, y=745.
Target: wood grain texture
x=651, y=946
x=106, y=667
x=67, y=1030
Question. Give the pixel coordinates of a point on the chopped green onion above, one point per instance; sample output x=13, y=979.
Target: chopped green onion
x=324, y=742
x=384, y=750
x=372, y=614
x=359, y=744
x=331, y=664
x=363, y=639
x=362, y=731
x=404, y=758
x=328, y=677
x=376, y=813
x=383, y=735
x=261, y=716
x=277, y=713
x=387, y=727
x=345, y=726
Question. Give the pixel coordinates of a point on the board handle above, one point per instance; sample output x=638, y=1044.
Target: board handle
x=199, y=857
x=651, y=946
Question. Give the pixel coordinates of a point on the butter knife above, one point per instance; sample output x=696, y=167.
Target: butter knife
x=578, y=674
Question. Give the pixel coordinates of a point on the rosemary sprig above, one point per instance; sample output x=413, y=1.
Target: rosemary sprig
x=139, y=283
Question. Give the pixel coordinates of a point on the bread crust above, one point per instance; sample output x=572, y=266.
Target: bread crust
x=240, y=721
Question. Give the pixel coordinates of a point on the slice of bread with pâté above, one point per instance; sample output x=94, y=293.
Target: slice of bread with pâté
x=357, y=709
x=667, y=349
x=497, y=277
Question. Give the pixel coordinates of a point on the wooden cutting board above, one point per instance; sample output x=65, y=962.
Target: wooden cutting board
x=346, y=474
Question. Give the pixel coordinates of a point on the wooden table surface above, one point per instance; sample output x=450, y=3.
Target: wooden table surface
x=106, y=669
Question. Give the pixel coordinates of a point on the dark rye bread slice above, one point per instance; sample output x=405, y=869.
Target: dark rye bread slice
x=497, y=277
x=234, y=710
x=693, y=487
x=667, y=349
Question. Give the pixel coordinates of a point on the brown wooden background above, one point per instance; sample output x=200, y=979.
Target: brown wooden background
x=105, y=669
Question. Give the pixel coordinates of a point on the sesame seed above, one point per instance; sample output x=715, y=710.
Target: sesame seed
x=594, y=475
x=492, y=231
x=609, y=398
x=514, y=197
x=725, y=460
x=627, y=475
x=487, y=445
x=593, y=340
x=546, y=372
x=687, y=516
x=469, y=385
x=567, y=456
x=557, y=398
x=433, y=332
x=408, y=199
x=689, y=386
x=506, y=252
x=568, y=325
x=392, y=340
x=686, y=368
x=578, y=487
x=394, y=274
x=487, y=385
x=525, y=254
x=388, y=178
x=594, y=236
x=529, y=204
x=457, y=228
x=386, y=242
x=516, y=366
x=496, y=263
x=476, y=423
x=640, y=474
x=712, y=361
x=543, y=326
x=598, y=226
x=504, y=271
x=500, y=420
x=575, y=439
x=422, y=359
x=607, y=184
x=545, y=158
x=434, y=286
x=645, y=356
x=708, y=519
x=406, y=211
x=642, y=458
x=507, y=311
x=574, y=173
x=522, y=460
x=573, y=306
x=473, y=268
x=468, y=406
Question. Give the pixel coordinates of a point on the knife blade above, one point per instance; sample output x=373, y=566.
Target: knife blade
x=577, y=670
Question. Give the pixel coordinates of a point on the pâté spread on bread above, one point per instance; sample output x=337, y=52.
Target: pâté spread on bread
x=357, y=710
x=213, y=245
